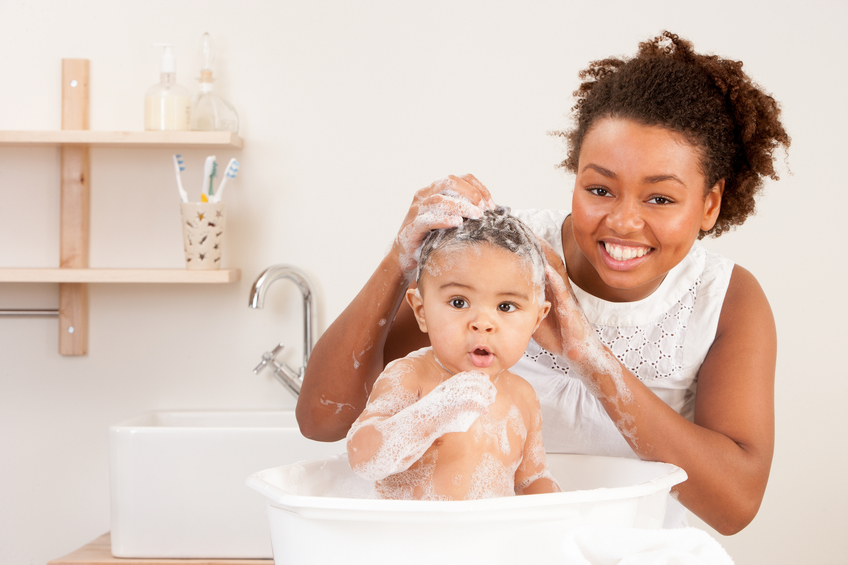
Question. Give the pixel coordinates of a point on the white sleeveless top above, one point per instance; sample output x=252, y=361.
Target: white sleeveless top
x=662, y=339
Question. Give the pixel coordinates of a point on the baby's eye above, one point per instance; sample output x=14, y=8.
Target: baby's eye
x=506, y=307
x=458, y=303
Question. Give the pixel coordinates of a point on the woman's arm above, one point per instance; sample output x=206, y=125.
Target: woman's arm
x=350, y=355
x=727, y=451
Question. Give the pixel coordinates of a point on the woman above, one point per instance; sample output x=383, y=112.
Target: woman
x=655, y=348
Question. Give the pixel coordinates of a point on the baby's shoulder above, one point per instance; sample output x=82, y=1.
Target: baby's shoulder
x=521, y=390
x=410, y=370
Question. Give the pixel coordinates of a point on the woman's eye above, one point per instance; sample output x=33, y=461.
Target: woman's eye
x=458, y=303
x=599, y=191
x=506, y=307
x=660, y=200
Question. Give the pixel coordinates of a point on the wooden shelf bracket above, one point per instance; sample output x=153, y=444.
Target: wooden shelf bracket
x=75, y=209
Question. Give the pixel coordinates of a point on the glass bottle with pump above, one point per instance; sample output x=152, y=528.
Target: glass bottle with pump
x=210, y=112
x=167, y=104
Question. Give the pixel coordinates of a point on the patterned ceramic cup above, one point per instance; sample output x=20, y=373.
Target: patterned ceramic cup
x=203, y=234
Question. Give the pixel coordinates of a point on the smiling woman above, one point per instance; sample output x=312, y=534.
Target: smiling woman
x=638, y=205
x=654, y=348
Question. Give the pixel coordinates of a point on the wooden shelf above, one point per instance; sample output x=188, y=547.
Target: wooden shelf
x=74, y=141
x=99, y=552
x=18, y=275
x=187, y=139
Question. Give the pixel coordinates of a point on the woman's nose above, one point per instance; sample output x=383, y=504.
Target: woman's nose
x=625, y=216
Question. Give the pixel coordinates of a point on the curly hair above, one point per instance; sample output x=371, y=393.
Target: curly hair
x=721, y=112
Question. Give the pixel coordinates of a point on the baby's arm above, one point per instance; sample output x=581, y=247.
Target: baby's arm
x=396, y=428
x=532, y=475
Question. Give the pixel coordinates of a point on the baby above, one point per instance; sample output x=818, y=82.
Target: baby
x=450, y=422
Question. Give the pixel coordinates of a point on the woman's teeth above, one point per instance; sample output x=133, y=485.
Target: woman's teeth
x=621, y=253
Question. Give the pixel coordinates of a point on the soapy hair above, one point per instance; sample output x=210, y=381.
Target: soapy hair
x=733, y=124
x=497, y=227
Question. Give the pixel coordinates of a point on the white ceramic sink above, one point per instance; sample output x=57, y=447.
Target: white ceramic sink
x=178, y=481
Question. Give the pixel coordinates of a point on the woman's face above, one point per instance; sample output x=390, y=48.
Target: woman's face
x=638, y=207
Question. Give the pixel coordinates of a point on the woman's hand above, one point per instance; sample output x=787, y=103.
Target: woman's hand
x=443, y=204
x=563, y=330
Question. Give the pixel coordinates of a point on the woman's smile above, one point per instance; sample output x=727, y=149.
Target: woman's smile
x=623, y=257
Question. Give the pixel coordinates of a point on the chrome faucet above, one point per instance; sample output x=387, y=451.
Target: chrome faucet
x=289, y=377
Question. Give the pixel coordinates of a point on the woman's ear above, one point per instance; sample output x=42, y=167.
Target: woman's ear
x=712, y=206
x=416, y=302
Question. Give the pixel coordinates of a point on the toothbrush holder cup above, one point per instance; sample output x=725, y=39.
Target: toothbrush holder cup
x=203, y=234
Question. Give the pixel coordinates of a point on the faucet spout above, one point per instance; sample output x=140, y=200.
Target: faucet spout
x=290, y=377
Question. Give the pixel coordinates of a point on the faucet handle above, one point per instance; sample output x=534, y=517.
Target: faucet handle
x=269, y=356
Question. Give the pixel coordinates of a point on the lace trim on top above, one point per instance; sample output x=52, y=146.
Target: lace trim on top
x=650, y=351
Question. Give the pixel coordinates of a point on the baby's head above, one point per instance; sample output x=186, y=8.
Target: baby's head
x=497, y=227
x=481, y=292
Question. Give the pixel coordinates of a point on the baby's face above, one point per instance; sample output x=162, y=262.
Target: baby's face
x=479, y=306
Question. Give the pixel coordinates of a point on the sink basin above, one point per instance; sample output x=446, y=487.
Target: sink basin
x=178, y=481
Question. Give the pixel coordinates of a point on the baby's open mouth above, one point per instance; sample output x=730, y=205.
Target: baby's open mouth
x=482, y=357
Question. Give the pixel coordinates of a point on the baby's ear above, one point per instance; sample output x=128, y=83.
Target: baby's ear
x=543, y=311
x=413, y=298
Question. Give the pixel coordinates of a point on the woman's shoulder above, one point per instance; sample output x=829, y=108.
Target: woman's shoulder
x=745, y=301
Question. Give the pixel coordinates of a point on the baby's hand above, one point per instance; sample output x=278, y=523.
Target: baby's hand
x=443, y=204
x=461, y=399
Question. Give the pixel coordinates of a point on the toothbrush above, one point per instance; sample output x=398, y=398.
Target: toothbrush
x=178, y=166
x=209, y=169
x=232, y=171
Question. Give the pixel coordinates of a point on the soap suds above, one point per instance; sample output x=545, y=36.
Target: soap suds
x=446, y=209
x=414, y=424
x=497, y=429
x=491, y=479
x=546, y=474
x=339, y=405
x=414, y=484
x=496, y=227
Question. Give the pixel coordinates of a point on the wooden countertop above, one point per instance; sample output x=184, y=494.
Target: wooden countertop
x=99, y=552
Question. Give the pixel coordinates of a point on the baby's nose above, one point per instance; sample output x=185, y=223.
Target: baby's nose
x=482, y=325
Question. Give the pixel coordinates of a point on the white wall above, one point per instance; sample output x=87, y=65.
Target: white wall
x=346, y=109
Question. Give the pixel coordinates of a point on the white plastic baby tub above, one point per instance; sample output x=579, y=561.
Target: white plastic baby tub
x=316, y=514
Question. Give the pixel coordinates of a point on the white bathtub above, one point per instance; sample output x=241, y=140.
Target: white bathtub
x=313, y=519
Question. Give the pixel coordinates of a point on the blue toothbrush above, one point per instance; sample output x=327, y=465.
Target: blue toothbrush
x=232, y=171
x=179, y=167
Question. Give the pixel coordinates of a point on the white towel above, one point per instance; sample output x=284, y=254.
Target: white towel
x=615, y=545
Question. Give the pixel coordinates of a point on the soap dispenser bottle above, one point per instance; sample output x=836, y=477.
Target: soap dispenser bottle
x=167, y=104
x=210, y=112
